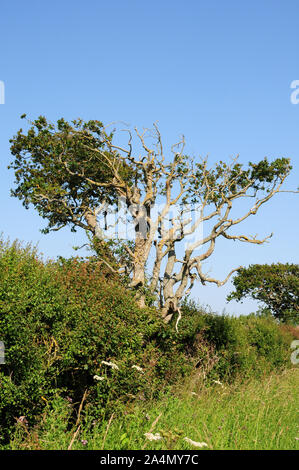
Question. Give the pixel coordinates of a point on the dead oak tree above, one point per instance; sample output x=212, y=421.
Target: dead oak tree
x=74, y=173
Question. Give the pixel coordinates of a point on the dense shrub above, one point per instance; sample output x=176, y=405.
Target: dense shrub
x=243, y=346
x=60, y=320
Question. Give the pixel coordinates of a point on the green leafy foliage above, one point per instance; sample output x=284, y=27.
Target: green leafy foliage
x=228, y=347
x=55, y=167
x=276, y=285
x=226, y=181
x=60, y=320
x=66, y=169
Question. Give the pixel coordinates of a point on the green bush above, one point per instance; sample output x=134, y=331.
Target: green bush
x=236, y=346
x=59, y=321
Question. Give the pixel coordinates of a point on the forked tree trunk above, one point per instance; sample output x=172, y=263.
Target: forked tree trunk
x=138, y=278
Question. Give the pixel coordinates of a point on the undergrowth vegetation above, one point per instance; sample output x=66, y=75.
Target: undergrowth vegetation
x=256, y=414
x=77, y=347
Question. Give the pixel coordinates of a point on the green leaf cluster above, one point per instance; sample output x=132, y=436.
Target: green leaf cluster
x=275, y=285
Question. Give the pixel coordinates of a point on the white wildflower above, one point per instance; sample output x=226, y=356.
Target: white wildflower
x=195, y=444
x=98, y=378
x=218, y=382
x=153, y=437
x=138, y=368
x=110, y=364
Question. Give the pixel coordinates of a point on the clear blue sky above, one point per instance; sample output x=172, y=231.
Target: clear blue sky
x=217, y=71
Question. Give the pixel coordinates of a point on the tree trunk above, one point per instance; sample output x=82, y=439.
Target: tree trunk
x=138, y=279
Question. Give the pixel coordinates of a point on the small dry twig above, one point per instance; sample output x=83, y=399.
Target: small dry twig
x=74, y=437
x=80, y=407
x=152, y=428
x=107, y=429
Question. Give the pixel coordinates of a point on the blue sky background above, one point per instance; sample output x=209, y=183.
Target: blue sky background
x=218, y=72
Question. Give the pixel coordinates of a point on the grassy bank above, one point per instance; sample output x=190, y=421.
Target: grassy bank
x=259, y=414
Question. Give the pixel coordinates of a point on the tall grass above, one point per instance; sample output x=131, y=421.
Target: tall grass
x=259, y=414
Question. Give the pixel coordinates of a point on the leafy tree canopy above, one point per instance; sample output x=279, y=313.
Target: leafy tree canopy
x=276, y=285
x=56, y=167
